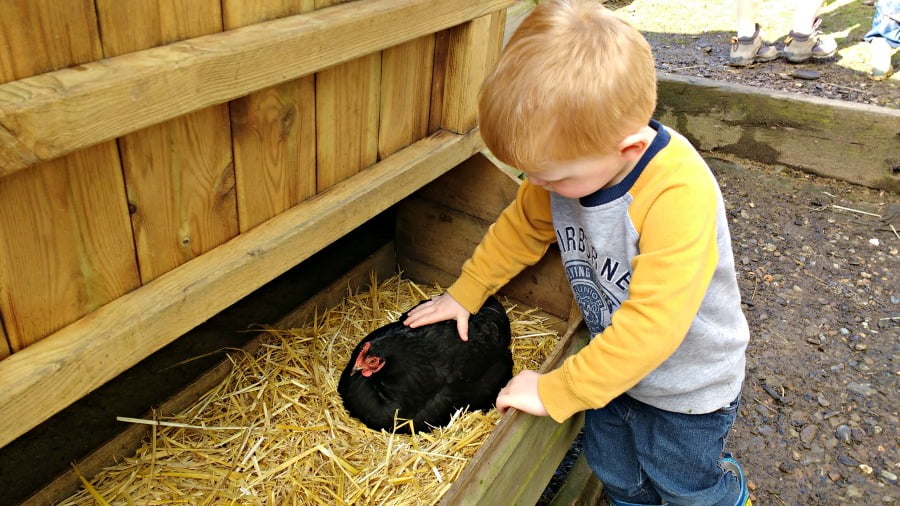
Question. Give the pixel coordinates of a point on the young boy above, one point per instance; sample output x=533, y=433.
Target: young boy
x=640, y=222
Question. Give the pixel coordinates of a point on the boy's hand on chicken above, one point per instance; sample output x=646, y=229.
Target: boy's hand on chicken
x=522, y=393
x=441, y=308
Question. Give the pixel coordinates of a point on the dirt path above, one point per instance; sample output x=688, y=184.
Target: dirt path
x=817, y=262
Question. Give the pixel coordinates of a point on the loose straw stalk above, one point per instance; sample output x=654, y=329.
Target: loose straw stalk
x=275, y=431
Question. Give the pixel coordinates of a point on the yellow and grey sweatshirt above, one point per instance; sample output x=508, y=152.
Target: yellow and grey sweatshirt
x=651, y=267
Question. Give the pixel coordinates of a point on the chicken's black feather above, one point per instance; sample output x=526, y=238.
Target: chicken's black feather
x=429, y=372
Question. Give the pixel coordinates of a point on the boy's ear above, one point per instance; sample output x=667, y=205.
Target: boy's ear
x=633, y=146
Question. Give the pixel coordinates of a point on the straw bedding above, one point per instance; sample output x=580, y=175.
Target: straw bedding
x=275, y=431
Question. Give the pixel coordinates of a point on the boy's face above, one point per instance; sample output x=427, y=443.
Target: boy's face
x=580, y=178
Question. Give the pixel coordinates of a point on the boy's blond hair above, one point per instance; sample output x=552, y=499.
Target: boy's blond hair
x=573, y=81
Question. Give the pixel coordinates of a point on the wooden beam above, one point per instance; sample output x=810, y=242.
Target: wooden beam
x=70, y=363
x=832, y=138
x=45, y=116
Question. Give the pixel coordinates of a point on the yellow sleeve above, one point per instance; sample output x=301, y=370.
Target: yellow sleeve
x=519, y=238
x=677, y=257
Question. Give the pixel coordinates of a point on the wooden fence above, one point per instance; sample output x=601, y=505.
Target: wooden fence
x=161, y=159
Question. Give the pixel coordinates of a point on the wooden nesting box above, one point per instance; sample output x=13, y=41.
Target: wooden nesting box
x=160, y=160
x=436, y=229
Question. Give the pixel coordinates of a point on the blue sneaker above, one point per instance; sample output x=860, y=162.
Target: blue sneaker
x=729, y=465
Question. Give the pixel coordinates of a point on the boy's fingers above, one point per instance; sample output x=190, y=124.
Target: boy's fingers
x=462, y=325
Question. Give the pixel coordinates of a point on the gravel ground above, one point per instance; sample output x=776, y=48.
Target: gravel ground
x=817, y=262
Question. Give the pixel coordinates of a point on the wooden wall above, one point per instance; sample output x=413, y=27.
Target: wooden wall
x=160, y=159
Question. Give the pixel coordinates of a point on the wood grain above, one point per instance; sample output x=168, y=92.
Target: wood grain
x=141, y=24
x=180, y=182
x=406, y=72
x=347, y=100
x=44, y=35
x=471, y=52
x=238, y=13
x=273, y=130
x=46, y=116
x=179, y=175
x=65, y=243
x=77, y=359
x=65, y=240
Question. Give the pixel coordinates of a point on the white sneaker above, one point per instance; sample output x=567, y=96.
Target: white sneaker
x=880, y=58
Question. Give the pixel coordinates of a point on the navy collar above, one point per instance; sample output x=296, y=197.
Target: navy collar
x=605, y=195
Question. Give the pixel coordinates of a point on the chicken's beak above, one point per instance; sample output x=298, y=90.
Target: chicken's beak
x=361, y=359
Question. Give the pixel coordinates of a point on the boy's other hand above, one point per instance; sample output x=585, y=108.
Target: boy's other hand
x=441, y=308
x=522, y=393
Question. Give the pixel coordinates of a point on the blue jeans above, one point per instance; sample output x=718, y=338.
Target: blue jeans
x=886, y=22
x=645, y=455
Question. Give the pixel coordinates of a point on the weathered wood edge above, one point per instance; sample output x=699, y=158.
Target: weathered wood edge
x=128, y=441
x=504, y=470
x=72, y=362
x=852, y=142
x=46, y=116
x=581, y=486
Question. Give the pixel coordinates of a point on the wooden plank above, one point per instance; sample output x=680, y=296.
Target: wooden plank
x=75, y=360
x=436, y=234
x=274, y=140
x=581, y=486
x=442, y=223
x=179, y=174
x=180, y=182
x=347, y=108
x=46, y=116
x=347, y=99
x=64, y=231
x=516, y=462
x=142, y=24
x=472, y=51
x=405, y=94
x=237, y=13
x=438, y=78
x=45, y=35
x=65, y=243
x=832, y=138
x=476, y=187
x=129, y=440
x=430, y=234
x=273, y=130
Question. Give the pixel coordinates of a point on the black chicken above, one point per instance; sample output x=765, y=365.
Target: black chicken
x=427, y=373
